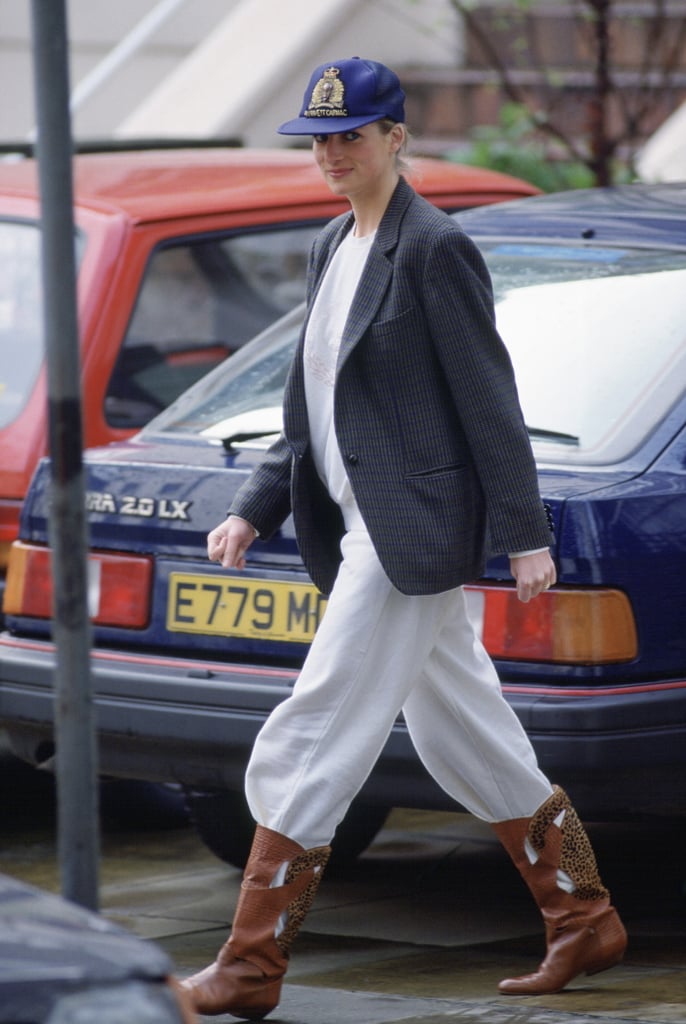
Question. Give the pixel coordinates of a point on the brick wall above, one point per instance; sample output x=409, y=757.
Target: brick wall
x=549, y=55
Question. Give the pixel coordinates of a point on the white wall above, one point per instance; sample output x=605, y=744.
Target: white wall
x=663, y=157
x=216, y=66
x=251, y=73
x=16, y=88
x=95, y=28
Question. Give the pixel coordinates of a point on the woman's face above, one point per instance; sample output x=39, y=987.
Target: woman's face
x=358, y=163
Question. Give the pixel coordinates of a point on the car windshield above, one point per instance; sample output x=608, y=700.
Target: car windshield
x=21, y=313
x=21, y=316
x=597, y=337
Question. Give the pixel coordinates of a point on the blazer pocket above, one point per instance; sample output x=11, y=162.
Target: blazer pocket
x=453, y=469
x=405, y=322
x=450, y=496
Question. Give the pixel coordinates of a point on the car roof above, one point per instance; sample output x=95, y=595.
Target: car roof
x=148, y=185
x=631, y=215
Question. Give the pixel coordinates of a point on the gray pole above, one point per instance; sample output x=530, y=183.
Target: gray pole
x=77, y=803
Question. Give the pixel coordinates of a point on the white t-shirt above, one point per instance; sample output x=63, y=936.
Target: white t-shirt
x=322, y=343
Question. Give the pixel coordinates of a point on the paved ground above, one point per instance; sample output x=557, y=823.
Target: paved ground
x=419, y=932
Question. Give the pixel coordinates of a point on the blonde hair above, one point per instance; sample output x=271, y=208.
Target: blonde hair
x=402, y=161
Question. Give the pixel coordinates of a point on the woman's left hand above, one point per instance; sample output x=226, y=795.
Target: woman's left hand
x=533, y=573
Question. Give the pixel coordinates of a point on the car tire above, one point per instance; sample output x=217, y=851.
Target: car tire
x=138, y=804
x=226, y=826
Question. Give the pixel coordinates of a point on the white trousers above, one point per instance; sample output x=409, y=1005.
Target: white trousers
x=378, y=652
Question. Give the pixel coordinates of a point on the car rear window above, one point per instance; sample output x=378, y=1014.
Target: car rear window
x=200, y=300
x=21, y=315
x=597, y=336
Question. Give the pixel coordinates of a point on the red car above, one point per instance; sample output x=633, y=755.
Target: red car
x=183, y=255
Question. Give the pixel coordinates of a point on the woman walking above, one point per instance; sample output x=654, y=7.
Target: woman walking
x=405, y=462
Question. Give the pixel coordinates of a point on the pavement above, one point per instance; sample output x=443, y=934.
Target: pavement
x=424, y=927
x=419, y=931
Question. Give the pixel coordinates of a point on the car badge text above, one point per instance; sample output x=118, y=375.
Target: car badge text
x=136, y=505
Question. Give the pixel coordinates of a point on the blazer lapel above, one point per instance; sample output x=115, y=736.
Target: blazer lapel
x=370, y=292
x=326, y=254
x=377, y=272
x=296, y=425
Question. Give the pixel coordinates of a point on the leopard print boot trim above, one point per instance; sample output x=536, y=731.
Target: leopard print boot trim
x=311, y=860
x=576, y=857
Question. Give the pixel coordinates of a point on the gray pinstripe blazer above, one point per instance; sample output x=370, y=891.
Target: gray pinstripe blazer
x=426, y=415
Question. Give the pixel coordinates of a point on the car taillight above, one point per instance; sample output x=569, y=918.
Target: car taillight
x=567, y=626
x=119, y=586
x=9, y=528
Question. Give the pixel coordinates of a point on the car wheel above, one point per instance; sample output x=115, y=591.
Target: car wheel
x=227, y=827
x=138, y=804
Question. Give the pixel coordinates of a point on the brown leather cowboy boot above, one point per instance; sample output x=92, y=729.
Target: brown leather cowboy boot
x=583, y=931
x=245, y=979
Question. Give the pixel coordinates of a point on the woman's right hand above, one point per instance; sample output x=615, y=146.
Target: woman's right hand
x=228, y=542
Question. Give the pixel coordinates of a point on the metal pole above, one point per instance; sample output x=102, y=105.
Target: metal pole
x=77, y=793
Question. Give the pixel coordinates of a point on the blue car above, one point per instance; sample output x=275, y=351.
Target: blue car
x=189, y=659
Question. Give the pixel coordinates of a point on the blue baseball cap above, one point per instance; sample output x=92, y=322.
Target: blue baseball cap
x=347, y=94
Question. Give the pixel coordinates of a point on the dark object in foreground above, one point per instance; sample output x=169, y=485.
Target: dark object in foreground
x=58, y=959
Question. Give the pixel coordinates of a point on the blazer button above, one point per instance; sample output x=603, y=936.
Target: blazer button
x=353, y=458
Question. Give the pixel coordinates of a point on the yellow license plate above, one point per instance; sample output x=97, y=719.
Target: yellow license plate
x=248, y=608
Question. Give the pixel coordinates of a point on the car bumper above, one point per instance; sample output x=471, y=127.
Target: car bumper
x=620, y=750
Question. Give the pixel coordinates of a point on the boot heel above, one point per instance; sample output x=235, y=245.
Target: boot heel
x=268, y=1000
x=605, y=965
x=613, y=940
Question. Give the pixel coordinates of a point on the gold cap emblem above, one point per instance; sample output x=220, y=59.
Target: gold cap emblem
x=328, y=96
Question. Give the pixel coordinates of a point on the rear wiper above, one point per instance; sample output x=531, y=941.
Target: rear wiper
x=552, y=435
x=252, y=435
